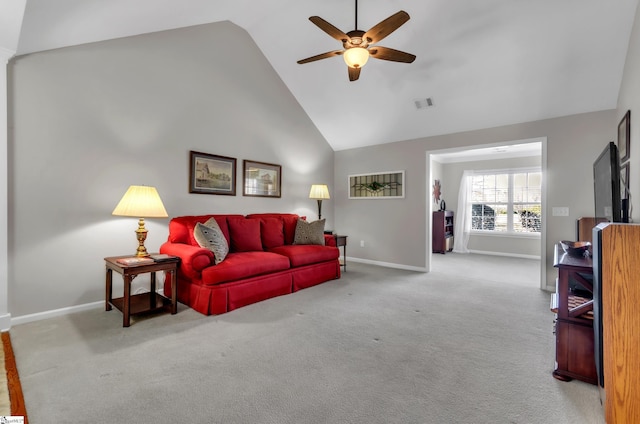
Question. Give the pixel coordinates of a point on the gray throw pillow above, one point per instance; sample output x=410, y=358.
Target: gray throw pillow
x=309, y=232
x=210, y=236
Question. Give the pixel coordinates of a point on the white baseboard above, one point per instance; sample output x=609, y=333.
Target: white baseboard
x=387, y=264
x=65, y=311
x=510, y=255
x=56, y=313
x=5, y=322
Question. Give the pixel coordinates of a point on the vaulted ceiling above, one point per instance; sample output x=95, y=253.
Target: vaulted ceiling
x=483, y=63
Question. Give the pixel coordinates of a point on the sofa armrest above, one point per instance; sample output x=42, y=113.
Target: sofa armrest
x=193, y=259
x=329, y=240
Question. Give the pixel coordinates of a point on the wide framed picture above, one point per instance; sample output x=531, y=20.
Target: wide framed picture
x=212, y=174
x=624, y=137
x=377, y=185
x=261, y=179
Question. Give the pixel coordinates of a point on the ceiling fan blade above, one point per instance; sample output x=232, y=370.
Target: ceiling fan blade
x=321, y=56
x=386, y=27
x=354, y=73
x=385, y=53
x=329, y=29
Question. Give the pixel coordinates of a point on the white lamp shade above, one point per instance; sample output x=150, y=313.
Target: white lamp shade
x=356, y=57
x=141, y=202
x=319, y=192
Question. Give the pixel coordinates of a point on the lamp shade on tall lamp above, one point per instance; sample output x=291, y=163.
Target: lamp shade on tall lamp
x=319, y=192
x=141, y=202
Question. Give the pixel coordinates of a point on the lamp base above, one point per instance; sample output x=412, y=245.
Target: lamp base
x=141, y=235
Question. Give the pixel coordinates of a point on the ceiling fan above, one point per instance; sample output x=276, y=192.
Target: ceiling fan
x=358, y=44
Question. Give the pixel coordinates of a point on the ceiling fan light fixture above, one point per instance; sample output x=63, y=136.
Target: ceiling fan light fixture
x=356, y=57
x=359, y=45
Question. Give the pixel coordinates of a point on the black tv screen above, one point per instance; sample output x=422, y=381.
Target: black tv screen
x=606, y=184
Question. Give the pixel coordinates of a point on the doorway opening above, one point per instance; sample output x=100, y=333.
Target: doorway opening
x=447, y=167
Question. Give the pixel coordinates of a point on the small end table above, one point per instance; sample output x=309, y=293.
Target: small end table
x=143, y=302
x=342, y=241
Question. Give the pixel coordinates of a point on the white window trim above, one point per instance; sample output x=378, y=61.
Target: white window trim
x=510, y=234
x=510, y=203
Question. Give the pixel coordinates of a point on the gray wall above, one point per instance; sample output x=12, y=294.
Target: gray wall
x=86, y=122
x=397, y=229
x=524, y=246
x=629, y=99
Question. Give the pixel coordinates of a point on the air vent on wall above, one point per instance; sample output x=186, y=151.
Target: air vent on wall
x=423, y=103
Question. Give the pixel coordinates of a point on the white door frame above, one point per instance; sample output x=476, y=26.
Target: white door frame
x=543, y=229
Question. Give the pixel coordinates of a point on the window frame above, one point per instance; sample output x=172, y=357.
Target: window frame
x=509, y=204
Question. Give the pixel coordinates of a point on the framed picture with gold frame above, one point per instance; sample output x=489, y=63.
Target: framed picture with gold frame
x=260, y=179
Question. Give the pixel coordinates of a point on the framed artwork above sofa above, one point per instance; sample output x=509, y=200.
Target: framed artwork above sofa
x=212, y=174
x=261, y=179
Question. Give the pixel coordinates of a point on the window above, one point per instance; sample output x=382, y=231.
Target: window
x=506, y=201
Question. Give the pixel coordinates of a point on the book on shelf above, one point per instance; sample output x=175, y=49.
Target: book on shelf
x=135, y=260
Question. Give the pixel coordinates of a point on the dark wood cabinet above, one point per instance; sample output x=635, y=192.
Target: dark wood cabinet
x=573, y=304
x=442, y=231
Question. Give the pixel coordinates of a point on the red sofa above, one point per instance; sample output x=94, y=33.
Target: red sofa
x=262, y=261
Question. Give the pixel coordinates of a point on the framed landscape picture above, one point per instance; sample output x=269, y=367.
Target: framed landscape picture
x=212, y=174
x=261, y=179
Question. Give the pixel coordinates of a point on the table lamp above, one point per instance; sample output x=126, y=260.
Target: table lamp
x=141, y=202
x=319, y=192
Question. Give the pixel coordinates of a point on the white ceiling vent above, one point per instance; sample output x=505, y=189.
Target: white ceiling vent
x=423, y=103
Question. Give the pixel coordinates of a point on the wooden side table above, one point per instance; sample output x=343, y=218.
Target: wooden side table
x=342, y=241
x=143, y=302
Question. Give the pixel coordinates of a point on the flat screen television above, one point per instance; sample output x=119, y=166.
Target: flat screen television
x=606, y=185
x=609, y=205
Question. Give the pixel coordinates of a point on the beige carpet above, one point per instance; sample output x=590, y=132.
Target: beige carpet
x=5, y=402
x=469, y=343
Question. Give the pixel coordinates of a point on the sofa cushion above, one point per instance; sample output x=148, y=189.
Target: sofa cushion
x=289, y=221
x=307, y=254
x=271, y=232
x=181, y=227
x=210, y=236
x=245, y=235
x=241, y=265
x=309, y=232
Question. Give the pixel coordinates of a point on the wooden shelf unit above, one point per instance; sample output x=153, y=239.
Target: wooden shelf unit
x=574, y=319
x=442, y=231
